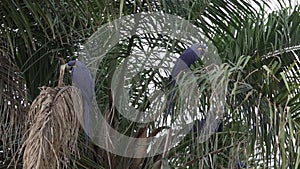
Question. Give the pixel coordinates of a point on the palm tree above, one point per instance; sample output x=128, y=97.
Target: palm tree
x=259, y=53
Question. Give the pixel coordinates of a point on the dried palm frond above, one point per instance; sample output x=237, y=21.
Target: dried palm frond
x=52, y=128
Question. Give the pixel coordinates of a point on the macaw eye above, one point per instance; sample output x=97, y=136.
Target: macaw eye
x=200, y=49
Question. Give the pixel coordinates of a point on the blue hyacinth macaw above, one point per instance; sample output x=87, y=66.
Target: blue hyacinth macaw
x=82, y=79
x=186, y=59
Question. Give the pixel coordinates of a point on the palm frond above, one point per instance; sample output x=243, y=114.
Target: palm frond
x=13, y=105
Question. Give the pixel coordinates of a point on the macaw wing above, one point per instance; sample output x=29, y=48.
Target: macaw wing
x=82, y=79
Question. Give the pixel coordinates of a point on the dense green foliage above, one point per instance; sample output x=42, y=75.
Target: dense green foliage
x=260, y=54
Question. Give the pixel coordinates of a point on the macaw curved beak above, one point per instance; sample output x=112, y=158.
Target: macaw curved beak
x=202, y=47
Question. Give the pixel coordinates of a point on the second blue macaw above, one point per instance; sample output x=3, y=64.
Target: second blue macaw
x=186, y=59
x=82, y=79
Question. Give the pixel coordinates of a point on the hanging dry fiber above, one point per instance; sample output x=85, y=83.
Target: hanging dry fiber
x=52, y=128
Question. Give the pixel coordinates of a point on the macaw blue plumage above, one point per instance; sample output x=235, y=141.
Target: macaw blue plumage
x=82, y=79
x=186, y=59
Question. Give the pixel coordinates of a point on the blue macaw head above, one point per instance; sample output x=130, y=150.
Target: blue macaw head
x=199, y=48
x=70, y=65
x=188, y=57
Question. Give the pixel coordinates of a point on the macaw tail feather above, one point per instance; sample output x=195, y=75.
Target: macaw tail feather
x=170, y=101
x=86, y=122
